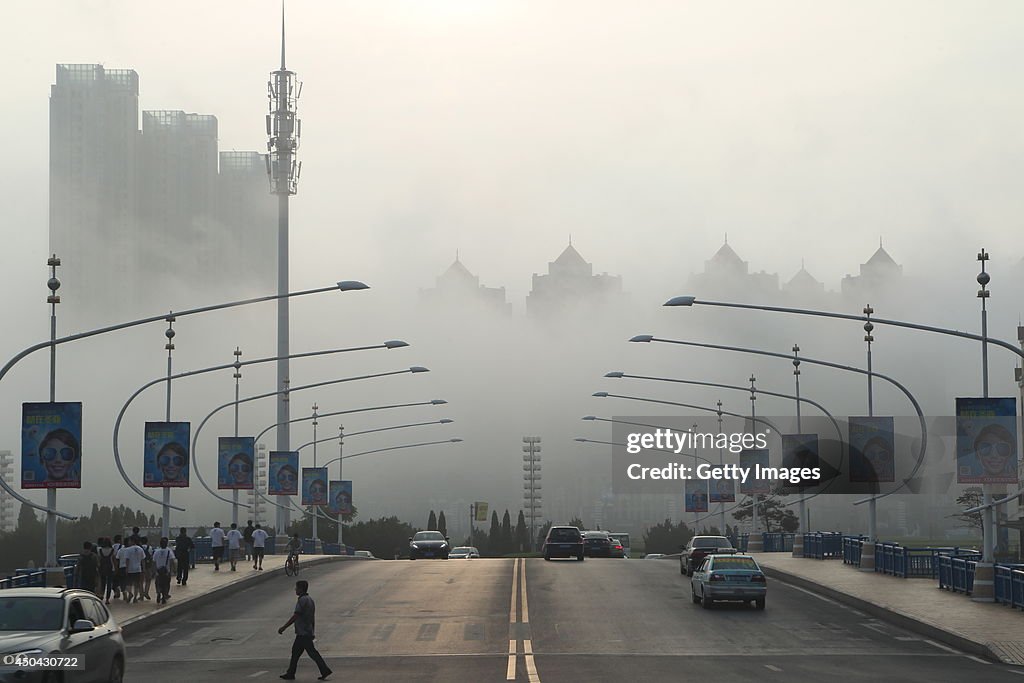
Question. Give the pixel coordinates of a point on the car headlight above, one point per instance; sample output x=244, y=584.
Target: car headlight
x=34, y=652
x=443, y=546
x=415, y=546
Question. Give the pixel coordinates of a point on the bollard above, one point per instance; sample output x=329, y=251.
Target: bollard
x=867, y=555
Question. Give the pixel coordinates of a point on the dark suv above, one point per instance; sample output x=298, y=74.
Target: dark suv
x=699, y=547
x=40, y=622
x=564, y=541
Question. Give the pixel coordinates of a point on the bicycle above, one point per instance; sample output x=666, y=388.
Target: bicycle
x=291, y=565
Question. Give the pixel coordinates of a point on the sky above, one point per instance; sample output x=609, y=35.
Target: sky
x=805, y=131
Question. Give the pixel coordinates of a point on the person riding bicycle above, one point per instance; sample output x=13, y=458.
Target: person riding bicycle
x=294, y=548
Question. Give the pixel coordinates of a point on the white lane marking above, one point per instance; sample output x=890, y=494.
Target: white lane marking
x=515, y=588
x=943, y=647
x=531, y=668
x=258, y=674
x=510, y=672
x=907, y=639
x=528, y=647
x=979, y=660
x=773, y=668
x=138, y=643
x=522, y=580
x=1016, y=671
x=813, y=594
x=877, y=628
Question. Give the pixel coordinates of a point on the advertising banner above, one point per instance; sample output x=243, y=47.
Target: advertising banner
x=481, y=511
x=723, y=491
x=696, y=496
x=986, y=441
x=314, y=486
x=753, y=459
x=283, y=474
x=166, y=455
x=236, y=456
x=872, y=449
x=51, y=445
x=341, y=497
x=800, y=451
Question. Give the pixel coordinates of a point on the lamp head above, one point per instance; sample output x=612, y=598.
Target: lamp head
x=588, y=417
x=580, y=439
x=352, y=285
x=600, y=394
x=455, y=440
x=643, y=337
x=438, y=402
x=680, y=301
x=446, y=421
x=615, y=374
x=418, y=368
x=395, y=344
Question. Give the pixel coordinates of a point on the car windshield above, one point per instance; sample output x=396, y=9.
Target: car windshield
x=31, y=614
x=712, y=542
x=564, y=534
x=596, y=534
x=460, y=551
x=734, y=563
x=621, y=538
x=428, y=536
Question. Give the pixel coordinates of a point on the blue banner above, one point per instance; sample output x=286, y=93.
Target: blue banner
x=51, y=445
x=341, y=497
x=986, y=441
x=283, y=479
x=696, y=497
x=166, y=455
x=314, y=486
x=235, y=462
x=872, y=449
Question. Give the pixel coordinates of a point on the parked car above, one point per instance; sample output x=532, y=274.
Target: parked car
x=699, y=547
x=623, y=539
x=728, y=577
x=464, y=552
x=597, y=544
x=365, y=553
x=429, y=544
x=564, y=541
x=60, y=622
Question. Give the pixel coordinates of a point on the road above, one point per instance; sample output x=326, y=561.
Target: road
x=577, y=621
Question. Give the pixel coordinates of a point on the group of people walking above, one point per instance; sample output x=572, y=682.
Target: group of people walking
x=252, y=541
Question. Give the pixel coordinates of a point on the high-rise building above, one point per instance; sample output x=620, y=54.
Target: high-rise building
x=457, y=288
x=728, y=275
x=875, y=279
x=94, y=137
x=248, y=213
x=570, y=285
x=8, y=512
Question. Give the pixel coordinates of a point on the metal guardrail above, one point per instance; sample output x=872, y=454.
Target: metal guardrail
x=24, y=578
x=1009, y=584
x=777, y=542
x=823, y=545
x=852, y=549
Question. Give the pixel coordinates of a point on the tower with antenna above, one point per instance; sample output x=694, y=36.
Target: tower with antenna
x=283, y=169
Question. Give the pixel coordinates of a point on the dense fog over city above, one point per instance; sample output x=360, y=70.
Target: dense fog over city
x=494, y=135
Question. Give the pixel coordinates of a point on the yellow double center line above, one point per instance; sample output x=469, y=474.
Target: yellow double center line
x=521, y=624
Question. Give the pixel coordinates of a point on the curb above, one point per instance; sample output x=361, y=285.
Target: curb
x=138, y=622
x=901, y=619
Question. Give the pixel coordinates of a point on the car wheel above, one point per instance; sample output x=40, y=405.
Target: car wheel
x=705, y=601
x=693, y=595
x=580, y=558
x=759, y=603
x=116, y=670
x=547, y=555
x=682, y=569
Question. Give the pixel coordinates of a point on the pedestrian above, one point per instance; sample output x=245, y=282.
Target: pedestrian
x=118, y=576
x=304, y=618
x=87, y=568
x=183, y=546
x=127, y=589
x=131, y=558
x=217, y=545
x=163, y=563
x=147, y=567
x=259, y=544
x=136, y=538
x=234, y=545
x=105, y=557
x=247, y=537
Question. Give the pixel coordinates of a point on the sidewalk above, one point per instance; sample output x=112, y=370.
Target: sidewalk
x=204, y=582
x=991, y=630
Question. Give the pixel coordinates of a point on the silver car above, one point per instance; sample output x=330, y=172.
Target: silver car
x=464, y=552
x=40, y=622
x=728, y=577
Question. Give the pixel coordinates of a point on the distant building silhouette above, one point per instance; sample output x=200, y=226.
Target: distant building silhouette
x=136, y=215
x=726, y=274
x=570, y=284
x=875, y=279
x=457, y=288
x=805, y=290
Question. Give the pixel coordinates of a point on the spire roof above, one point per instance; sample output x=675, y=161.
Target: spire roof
x=881, y=257
x=725, y=254
x=570, y=257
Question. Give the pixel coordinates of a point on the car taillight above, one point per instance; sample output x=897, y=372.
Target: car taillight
x=758, y=578
x=717, y=577
x=618, y=547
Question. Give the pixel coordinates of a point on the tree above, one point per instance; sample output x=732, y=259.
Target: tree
x=432, y=522
x=506, y=534
x=521, y=535
x=770, y=512
x=542, y=533
x=442, y=524
x=970, y=498
x=494, y=536
x=27, y=520
x=666, y=537
x=578, y=523
x=386, y=537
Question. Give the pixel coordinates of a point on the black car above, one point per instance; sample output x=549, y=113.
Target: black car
x=597, y=544
x=699, y=547
x=429, y=544
x=564, y=541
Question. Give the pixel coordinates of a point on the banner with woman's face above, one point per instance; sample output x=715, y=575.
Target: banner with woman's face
x=695, y=498
x=341, y=497
x=51, y=445
x=283, y=479
x=166, y=455
x=872, y=449
x=236, y=458
x=314, y=486
x=986, y=441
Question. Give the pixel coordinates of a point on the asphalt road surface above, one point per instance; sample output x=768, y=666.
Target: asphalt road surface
x=601, y=619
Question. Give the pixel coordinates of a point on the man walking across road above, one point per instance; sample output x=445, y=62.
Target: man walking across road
x=259, y=544
x=163, y=563
x=217, y=545
x=234, y=545
x=304, y=619
x=183, y=546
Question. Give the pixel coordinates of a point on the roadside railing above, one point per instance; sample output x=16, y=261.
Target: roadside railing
x=777, y=542
x=851, y=549
x=24, y=578
x=1009, y=584
x=823, y=545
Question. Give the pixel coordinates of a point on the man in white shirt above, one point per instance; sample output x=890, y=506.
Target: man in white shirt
x=163, y=563
x=259, y=544
x=234, y=545
x=217, y=545
x=134, y=557
x=121, y=557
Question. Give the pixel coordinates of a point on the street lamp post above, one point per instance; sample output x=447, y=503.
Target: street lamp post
x=316, y=536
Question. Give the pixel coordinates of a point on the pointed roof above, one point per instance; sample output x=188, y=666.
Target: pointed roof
x=881, y=258
x=570, y=257
x=458, y=270
x=726, y=255
x=803, y=279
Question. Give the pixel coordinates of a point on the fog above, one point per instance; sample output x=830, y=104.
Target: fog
x=804, y=131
